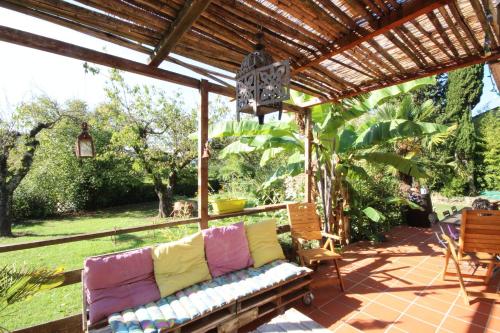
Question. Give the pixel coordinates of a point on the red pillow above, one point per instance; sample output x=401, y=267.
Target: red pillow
x=227, y=249
x=119, y=281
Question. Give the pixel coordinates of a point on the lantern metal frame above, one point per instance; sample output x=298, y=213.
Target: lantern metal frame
x=262, y=84
x=84, y=136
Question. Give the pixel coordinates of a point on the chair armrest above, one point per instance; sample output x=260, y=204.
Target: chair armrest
x=327, y=235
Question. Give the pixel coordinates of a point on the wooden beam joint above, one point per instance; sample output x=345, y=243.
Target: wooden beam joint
x=185, y=19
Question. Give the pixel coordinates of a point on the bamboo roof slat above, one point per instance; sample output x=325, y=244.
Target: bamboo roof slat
x=441, y=31
x=417, y=44
x=373, y=43
x=362, y=61
x=402, y=46
x=294, y=30
x=321, y=15
x=337, y=48
x=465, y=27
x=78, y=27
x=478, y=8
x=135, y=14
x=453, y=27
x=326, y=32
x=376, y=58
x=354, y=68
x=429, y=35
x=345, y=19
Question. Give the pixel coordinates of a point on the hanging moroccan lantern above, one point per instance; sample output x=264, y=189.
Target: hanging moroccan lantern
x=262, y=84
x=84, y=143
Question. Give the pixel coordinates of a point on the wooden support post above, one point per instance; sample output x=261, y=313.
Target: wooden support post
x=308, y=155
x=203, y=155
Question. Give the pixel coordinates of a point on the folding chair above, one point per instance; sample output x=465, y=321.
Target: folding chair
x=479, y=242
x=305, y=226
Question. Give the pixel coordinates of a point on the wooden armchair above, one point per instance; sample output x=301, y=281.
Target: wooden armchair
x=479, y=243
x=305, y=226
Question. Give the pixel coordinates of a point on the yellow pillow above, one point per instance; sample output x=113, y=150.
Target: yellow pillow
x=180, y=264
x=263, y=242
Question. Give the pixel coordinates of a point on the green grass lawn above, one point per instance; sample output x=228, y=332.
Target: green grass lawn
x=65, y=301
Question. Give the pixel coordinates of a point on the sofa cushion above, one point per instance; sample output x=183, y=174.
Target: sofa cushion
x=226, y=249
x=263, y=242
x=118, y=281
x=199, y=299
x=180, y=264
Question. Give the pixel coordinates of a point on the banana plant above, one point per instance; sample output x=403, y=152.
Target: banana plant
x=344, y=139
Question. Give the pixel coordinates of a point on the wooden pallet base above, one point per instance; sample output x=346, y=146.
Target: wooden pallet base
x=245, y=310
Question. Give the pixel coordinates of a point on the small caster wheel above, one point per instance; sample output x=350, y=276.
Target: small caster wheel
x=308, y=299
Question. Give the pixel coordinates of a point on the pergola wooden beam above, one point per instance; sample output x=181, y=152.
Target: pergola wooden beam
x=203, y=155
x=51, y=45
x=407, y=12
x=464, y=62
x=185, y=19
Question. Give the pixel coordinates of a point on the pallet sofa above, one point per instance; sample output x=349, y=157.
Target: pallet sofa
x=144, y=291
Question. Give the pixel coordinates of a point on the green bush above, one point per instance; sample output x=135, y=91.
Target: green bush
x=58, y=182
x=374, y=193
x=455, y=187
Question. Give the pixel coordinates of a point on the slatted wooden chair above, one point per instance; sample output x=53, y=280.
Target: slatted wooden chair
x=305, y=226
x=479, y=243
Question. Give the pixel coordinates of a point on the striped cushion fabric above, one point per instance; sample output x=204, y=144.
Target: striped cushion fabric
x=202, y=298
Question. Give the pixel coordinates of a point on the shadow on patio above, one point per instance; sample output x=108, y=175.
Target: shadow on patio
x=397, y=287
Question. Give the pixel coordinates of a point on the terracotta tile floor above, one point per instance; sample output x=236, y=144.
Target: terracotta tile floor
x=397, y=287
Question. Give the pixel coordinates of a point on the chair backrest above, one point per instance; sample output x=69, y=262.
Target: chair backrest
x=480, y=231
x=304, y=221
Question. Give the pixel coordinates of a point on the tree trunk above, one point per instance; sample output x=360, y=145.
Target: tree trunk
x=5, y=218
x=165, y=198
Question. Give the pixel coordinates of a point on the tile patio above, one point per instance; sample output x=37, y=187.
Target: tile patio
x=396, y=286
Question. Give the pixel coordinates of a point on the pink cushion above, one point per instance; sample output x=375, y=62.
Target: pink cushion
x=119, y=281
x=226, y=249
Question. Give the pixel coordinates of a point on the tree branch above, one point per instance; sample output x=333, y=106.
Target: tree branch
x=31, y=145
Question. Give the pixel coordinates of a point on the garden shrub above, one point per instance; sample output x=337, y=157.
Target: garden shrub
x=374, y=193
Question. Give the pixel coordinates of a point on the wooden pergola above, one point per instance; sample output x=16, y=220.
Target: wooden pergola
x=337, y=49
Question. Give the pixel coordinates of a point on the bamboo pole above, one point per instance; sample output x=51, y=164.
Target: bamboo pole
x=203, y=156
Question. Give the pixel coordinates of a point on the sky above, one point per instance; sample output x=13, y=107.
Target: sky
x=26, y=73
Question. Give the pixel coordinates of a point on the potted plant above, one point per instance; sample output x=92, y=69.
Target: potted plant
x=224, y=203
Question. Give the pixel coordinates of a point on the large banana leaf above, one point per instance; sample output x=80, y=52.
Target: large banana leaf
x=286, y=142
x=403, y=201
x=401, y=164
x=374, y=214
x=289, y=170
x=236, y=147
x=358, y=172
x=269, y=154
x=384, y=131
x=380, y=96
x=252, y=128
x=347, y=137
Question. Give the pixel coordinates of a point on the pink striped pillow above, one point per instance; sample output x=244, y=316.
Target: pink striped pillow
x=227, y=249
